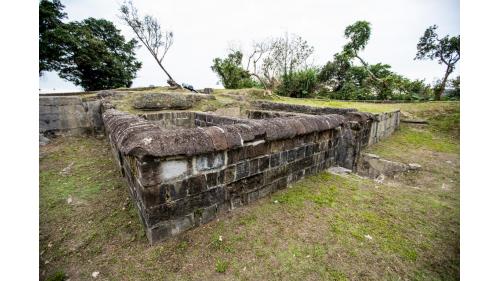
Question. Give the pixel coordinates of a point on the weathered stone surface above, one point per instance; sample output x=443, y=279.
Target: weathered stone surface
x=42, y=140
x=69, y=115
x=337, y=170
x=158, y=101
x=300, y=108
x=210, y=161
x=171, y=169
x=373, y=166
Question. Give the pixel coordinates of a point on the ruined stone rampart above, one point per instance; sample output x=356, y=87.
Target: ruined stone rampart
x=184, y=177
x=183, y=168
x=276, y=106
x=382, y=124
x=69, y=115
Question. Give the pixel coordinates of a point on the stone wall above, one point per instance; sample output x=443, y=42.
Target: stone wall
x=382, y=124
x=69, y=115
x=276, y=106
x=181, y=178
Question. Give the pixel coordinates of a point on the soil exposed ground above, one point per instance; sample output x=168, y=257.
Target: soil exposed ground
x=325, y=227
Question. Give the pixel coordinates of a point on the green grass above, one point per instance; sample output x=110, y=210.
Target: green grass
x=372, y=107
x=221, y=266
x=319, y=229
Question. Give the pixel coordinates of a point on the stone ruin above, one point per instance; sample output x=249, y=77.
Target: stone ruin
x=184, y=168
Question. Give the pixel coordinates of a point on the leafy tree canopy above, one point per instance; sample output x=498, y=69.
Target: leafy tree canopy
x=52, y=35
x=231, y=72
x=98, y=56
x=91, y=53
x=446, y=50
x=344, y=80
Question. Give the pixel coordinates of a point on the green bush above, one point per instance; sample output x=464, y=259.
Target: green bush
x=299, y=84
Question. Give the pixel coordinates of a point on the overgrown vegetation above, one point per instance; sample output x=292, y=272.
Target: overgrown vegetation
x=231, y=72
x=281, y=65
x=324, y=227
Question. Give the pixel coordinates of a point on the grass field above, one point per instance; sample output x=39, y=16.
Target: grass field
x=324, y=227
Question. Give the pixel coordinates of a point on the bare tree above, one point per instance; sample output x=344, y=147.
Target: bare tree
x=148, y=30
x=273, y=59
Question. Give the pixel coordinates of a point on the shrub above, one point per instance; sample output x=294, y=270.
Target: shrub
x=299, y=84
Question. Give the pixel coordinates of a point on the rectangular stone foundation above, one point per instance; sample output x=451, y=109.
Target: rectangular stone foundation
x=185, y=168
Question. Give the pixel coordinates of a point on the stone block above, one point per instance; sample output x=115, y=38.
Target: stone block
x=210, y=161
x=229, y=174
x=275, y=160
x=255, y=150
x=264, y=163
x=253, y=166
x=235, y=155
x=212, y=179
x=204, y=215
x=195, y=184
x=172, y=169
x=242, y=170
x=163, y=230
x=173, y=191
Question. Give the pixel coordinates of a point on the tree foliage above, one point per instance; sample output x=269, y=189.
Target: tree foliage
x=98, y=56
x=231, y=72
x=270, y=63
x=446, y=50
x=51, y=36
x=342, y=79
x=91, y=53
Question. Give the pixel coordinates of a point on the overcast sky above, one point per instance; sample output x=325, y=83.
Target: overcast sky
x=205, y=29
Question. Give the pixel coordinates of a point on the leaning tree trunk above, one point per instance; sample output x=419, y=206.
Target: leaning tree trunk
x=440, y=91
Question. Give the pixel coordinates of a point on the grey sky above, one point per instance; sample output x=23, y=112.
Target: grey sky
x=204, y=30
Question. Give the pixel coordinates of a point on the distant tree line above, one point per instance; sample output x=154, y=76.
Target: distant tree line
x=282, y=65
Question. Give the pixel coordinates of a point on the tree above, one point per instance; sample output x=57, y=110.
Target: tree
x=358, y=35
x=334, y=73
x=455, y=88
x=231, y=72
x=97, y=56
x=273, y=60
x=148, y=30
x=446, y=50
x=289, y=54
x=368, y=81
x=51, y=36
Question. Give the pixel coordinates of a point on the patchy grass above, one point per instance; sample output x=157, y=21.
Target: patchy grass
x=324, y=227
x=420, y=107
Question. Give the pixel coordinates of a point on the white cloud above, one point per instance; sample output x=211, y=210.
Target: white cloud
x=203, y=30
